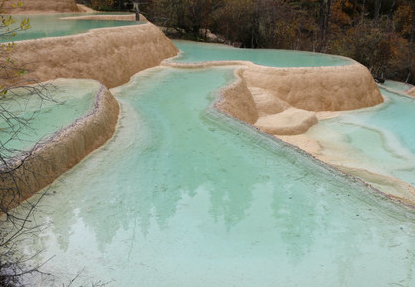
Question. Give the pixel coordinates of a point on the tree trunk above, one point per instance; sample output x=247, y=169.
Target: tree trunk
x=323, y=22
x=377, y=10
x=412, y=38
x=207, y=12
x=363, y=10
x=136, y=6
x=327, y=18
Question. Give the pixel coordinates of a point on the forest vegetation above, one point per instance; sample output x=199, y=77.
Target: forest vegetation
x=377, y=33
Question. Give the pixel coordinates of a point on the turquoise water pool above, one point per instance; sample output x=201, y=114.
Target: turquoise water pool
x=193, y=52
x=65, y=101
x=185, y=196
x=51, y=25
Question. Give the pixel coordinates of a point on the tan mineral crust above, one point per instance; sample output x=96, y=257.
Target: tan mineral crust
x=84, y=9
x=238, y=102
x=335, y=88
x=289, y=121
x=411, y=92
x=109, y=55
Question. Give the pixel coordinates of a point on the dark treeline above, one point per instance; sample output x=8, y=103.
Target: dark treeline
x=377, y=33
x=108, y=5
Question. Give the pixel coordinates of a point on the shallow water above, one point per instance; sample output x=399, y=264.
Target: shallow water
x=185, y=196
x=397, y=86
x=193, y=52
x=64, y=101
x=379, y=139
x=51, y=25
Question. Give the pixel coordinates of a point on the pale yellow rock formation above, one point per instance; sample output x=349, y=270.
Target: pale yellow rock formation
x=109, y=55
x=302, y=141
x=41, y=6
x=411, y=92
x=319, y=88
x=292, y=121
x=237, y=101
x=267, y=103
x=64, y=150
x=85, y=9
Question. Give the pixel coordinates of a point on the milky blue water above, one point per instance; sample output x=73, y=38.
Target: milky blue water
x=185, y=196
x=193, y=52
x=51, y=25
